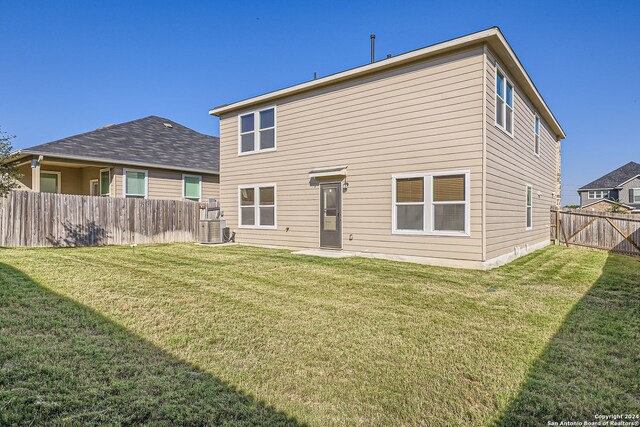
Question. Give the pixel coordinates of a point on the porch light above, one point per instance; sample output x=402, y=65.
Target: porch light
x=34, y=163
x=345, y=186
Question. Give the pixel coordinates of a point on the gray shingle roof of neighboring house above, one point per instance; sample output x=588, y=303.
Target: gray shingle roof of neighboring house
x=615, y=178
x=150, y=141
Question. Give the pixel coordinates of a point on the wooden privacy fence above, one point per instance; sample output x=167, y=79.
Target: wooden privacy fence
x=618, y=233
x=44, y=219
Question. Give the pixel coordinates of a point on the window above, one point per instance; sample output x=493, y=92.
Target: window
x=257, y=131
x=431, y=203
x=49, y=182
x=410, y=204
x=257, y=206
x=599, y=194
x=105, y=182
x=635, y=195
x=529, y=207
x=135, y=183
x=504, y=102
x=536, y=142
x=192, y=187
x=449, y=203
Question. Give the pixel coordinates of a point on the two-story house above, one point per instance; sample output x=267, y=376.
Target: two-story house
x=618, y=190
x=445, y=155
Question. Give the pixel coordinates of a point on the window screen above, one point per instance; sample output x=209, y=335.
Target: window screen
x=449, y=203
x=48, y=182
x=135, y=184
x=448, y=188
x=105, y=178
x=192, y=188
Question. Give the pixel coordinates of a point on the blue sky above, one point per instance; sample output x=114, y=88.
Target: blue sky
x=69, y=67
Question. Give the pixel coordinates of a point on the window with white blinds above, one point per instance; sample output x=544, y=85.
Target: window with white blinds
x=431, y=203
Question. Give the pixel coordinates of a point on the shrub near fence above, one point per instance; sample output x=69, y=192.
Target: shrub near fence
x=44, y=219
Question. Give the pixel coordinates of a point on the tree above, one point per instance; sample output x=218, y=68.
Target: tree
x=617, y=207
x=9, y=173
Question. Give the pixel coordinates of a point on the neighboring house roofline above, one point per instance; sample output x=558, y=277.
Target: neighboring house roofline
x=627, y=181
x=492, y=36
x=614, y=179
x=150, y=141
x=20, y=154
x=583, y=190
x=613, y=202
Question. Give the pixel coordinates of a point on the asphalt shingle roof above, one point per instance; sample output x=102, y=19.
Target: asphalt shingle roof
x=143, y=141
x=615, y=178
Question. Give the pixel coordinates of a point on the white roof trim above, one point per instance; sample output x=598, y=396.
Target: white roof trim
x=493, y=37
x=328, y=171
x=629, y=180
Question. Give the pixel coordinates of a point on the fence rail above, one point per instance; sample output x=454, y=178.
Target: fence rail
x=611, y=232
x=43, y=219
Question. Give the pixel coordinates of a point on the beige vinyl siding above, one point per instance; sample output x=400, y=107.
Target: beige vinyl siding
x=24, y=182
x=422, y=117
x=166, y=184
x=511, y=165
x=71, y=179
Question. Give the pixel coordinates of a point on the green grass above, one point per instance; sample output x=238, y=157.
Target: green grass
x=194, y=335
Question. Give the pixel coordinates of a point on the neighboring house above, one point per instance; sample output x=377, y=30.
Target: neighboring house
x=618, y=190
x=445, y=155
x=151, y=158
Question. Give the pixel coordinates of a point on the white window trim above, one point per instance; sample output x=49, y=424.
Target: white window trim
x=256, y=131
x=100, y=182
x=604, y=194
x=536, y=134
x=635, y=190
x=146, y=181
x=503, y=128
x=527, y=207
x=59, y=178
x=428, y=226
x=256, y=205
x=91, y=181
x=185, y=175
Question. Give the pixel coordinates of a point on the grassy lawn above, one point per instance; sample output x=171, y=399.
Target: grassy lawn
x=193, y=335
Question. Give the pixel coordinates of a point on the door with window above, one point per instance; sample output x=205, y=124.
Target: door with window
x=330, y=216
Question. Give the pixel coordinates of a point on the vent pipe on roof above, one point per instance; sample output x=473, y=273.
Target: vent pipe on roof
x=373, y=48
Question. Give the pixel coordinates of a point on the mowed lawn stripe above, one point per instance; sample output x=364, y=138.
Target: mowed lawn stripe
x=321, y=341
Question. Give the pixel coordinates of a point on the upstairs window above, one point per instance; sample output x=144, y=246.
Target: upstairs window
x=431, y=203
x=257, y=131
x=599, y=194
x=504, y=102
x=536, y=142
x=257, y=206
x=635, y=195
